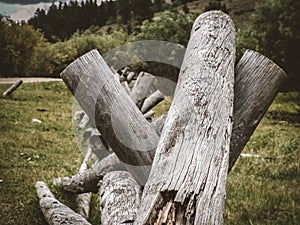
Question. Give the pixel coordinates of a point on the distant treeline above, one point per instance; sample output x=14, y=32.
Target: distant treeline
x=23, y=2
x=59, y=36
x=62, y=20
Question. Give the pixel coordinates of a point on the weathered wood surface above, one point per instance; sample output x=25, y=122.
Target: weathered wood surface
x=12, y=88
x=117, y=118
x=141, y=88
x=99, y=146
x=158, y=123
x=55, y=212
x=149, y=114
x=83, y=200
x=83, y=122
x=119, y=198
x=130, y=76
x=87, y=181
x=188, y=177
x=151, y=101
x=257, y=82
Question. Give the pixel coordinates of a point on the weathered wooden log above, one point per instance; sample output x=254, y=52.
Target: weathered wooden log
x=258, y=80
x=131, y=137
x=159, y=123
x=130, y=76
x=119, y=198
x=54, y=211
x=78, y=115
x=152, y=101
x=149, y=114
x=83, y=200
x=84, y=122
x=124, y=72
x=87, y=181
x=141, y=88
x=99, y=146
x=188, y=177
x=126, y=87
x=14, y=87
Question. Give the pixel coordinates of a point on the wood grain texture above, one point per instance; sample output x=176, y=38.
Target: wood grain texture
x=55, y=212
x=117, y=118
x=188, y=177
x=258, y=79
x=119, y=198
x=87, y=180
x=257, y=82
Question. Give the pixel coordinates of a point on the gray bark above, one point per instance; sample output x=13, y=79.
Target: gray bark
x=152, y=101
x=117, y=118
x=141, y=88
x=188, y=177
x=14, y=87
x=54, y=211
x=119, y=198
x=257, y=82
x=87, y=181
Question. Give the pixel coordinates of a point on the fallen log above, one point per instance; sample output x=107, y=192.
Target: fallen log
x=119, y=198
x=130, y=76
x=149, y=114
x=14, y=87
x=56, y=213
x=87, y=181
x=188, y=177
x=131, y=137
x=141, y=88
x=152, y=101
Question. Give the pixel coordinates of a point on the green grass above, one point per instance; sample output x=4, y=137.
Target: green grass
x=265, y=190
x=261, y=190
x=32, y=151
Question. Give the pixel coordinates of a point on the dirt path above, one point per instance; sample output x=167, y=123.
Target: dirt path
x=27, y=79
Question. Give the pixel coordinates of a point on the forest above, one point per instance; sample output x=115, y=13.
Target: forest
x=48, y=42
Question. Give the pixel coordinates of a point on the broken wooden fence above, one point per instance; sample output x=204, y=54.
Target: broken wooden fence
x=215, y=110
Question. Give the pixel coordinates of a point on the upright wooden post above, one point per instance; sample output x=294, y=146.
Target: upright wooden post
x=188, y=177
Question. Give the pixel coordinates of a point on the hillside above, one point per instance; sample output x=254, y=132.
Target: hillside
x=239, y=10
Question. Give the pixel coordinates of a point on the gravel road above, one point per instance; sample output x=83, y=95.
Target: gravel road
x=27, y=79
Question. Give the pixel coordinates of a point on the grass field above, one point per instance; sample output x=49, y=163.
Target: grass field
x=261, y=190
